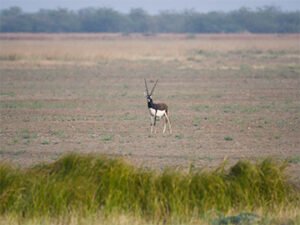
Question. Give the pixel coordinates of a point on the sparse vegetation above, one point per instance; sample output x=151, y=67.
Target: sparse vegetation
x=25, y=134
x=10, y=94
x=228, y=138
x=85, y=185
x=201, y=108
x=58, y=133
x=294, y=160
x=45, y=142
x=197, y=122
x=106, y=137
x=179, y=136
x=36, y=105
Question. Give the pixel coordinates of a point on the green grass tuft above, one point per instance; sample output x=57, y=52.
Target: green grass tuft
x=89, y=184
x=293, y=159
x=228, y=138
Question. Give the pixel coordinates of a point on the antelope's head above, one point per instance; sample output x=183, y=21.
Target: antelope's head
x=147, y=94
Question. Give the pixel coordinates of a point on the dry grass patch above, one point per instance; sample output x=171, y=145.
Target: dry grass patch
x=112, y=47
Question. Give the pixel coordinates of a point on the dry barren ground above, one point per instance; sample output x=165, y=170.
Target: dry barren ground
x=234, y=97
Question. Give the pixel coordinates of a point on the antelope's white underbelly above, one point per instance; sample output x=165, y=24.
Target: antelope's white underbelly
x=159, y=113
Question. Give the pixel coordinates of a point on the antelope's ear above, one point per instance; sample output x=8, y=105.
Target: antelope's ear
x=145, y=94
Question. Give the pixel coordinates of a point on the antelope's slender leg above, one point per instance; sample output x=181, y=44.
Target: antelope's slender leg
x=170, y=127
x=165, y=125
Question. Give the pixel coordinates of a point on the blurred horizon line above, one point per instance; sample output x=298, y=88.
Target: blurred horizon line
x=188, y=9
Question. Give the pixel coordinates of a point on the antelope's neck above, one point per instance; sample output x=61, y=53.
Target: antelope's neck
x=150, y=104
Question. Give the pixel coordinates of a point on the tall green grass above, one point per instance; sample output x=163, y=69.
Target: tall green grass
x=92, y=184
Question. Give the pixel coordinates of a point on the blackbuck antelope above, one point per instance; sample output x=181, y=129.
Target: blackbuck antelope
x=157, y=110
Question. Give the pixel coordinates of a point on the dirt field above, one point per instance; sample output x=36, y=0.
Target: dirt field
x=229, y=96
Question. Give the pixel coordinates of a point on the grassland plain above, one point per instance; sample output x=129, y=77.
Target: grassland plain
x=230, y=96
x=75, y=188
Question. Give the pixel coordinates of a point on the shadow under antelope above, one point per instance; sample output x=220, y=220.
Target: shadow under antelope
x=157, y=110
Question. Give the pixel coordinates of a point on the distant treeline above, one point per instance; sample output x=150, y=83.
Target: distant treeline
x=261, y=20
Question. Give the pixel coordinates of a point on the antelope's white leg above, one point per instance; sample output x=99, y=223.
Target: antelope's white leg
x=170, y=128
x=165, y=125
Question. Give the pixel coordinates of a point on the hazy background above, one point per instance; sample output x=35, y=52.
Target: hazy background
x=151, y=6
